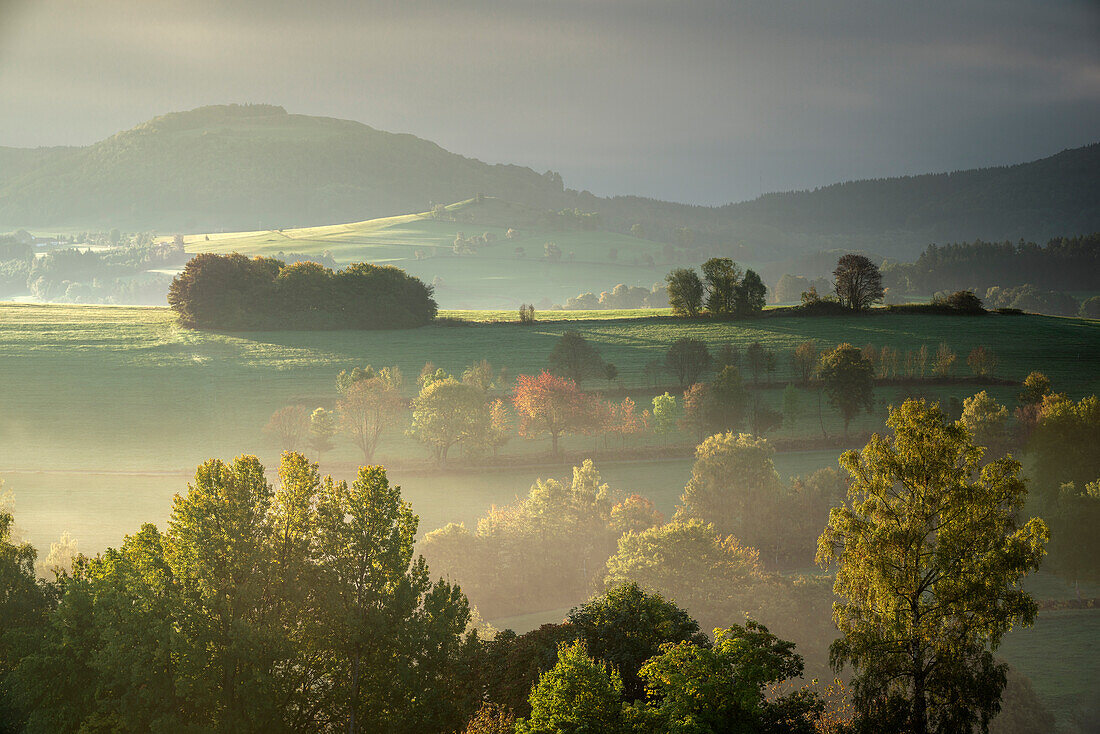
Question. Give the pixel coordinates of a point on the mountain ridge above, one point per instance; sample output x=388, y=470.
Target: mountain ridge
x=243, y=167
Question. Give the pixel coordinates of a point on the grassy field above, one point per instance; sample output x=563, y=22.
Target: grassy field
x=592, y=260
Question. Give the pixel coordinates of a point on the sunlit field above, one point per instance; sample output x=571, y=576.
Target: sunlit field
x=592, y=260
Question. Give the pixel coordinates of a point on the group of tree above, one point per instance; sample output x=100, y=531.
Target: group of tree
x=621, y=296
x=235, y=292
x=304, y=607
x=119, y=274
x=724, y=291
x=1065, y=263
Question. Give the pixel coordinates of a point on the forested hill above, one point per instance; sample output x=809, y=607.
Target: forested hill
x=1038, y=200
x=245, y=167
x=235, y=167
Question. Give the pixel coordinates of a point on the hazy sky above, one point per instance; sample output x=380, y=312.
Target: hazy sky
x=704, y=102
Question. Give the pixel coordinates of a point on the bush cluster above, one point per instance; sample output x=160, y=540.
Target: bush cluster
x=235, y=292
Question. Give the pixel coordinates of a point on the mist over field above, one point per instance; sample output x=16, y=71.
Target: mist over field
x=613, y=366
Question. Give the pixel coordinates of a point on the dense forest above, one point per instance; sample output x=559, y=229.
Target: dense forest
x=257, y=167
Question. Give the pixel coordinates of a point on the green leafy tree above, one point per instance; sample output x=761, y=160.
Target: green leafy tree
x=929, y=555
x=323, y=426
x=987, y=421
x=392, y=632
x=625, y=626
x=578, y=695
x=1036, y=387
x=751, y=295
x=449, y=412
x=721, y=277
x=1063, y=443
x=687, y=359
x=573, y=357
x=1074, y=543
x=665, y=413
x=848, y=381
x=759, y=360
x=685, y=292
x=734, y=485
x=727, y=688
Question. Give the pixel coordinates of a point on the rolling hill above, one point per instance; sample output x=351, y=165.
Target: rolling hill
x=256, y=167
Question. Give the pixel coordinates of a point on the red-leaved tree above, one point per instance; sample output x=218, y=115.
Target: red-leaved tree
x=554, y=405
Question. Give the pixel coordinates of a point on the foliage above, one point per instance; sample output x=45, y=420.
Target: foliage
x=726, y=688
x=685, y=292
x=722, y=278
x=575, y=358
x=234, y=292
x=1063, y=443
x=448, y=412
x=323, y=426
x=1036, y=387
x=577, y=695
x=944, y=361
x=805, y=359
x=987, y=421
x=368, y=403
x=554, y=405
x=1030, y=299
x=848, y=380
x=735, y=487
x=687, y=359
x=625, y=626
x=665, y=413
x=857, y=282
x=961, y=301
x=929, y=557
x=295, y=608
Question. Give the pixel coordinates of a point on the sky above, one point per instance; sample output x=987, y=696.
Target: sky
x=700, y=102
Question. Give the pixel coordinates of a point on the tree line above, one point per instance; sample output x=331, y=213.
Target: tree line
x=235, y=292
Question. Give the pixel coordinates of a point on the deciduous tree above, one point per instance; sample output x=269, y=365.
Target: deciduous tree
x=857, y=282
x=685, y=292
x=687, y=359
x=848, y=380
x=368, y=406
x=551, y=404
x=930, y=553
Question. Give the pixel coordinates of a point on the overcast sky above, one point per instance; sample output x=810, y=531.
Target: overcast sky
x=703, y=102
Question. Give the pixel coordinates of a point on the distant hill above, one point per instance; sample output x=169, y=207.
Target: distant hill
x=256, y=167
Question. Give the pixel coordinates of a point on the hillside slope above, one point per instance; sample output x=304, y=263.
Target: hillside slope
x=248, y=167
x=256, y=167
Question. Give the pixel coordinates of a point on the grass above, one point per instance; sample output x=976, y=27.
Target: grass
x=1059, y=655
x=493, y=277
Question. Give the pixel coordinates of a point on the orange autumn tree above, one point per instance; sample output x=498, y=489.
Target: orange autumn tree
x=554, y=405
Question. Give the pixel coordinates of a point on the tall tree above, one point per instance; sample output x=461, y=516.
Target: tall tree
x=848, y=379
x=930, y=554
x=368, y=406
x=685, y=292
x=751, y=295
x=449, y=412
x=734, y=485
x=289, y=427
x=392, y=631
x=575, y=358
x=804, y=360
x=687, y=359
x=553, y=405
x=857, y=282
x=722, y=278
